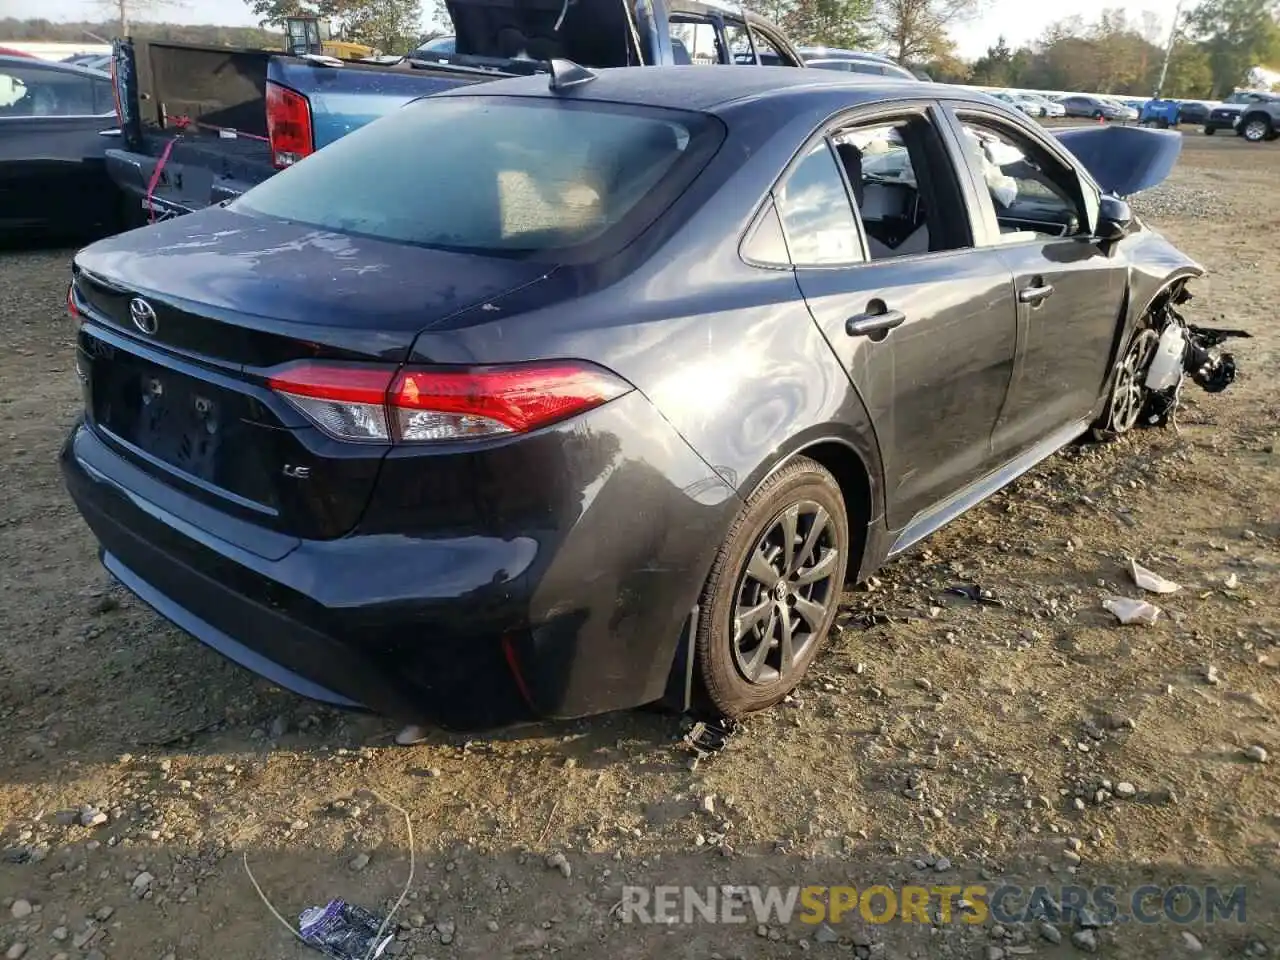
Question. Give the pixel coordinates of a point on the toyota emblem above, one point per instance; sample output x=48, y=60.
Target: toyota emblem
x=143, y=316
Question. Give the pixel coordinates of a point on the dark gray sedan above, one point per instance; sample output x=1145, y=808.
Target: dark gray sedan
x=607, y=395
x=53, y=175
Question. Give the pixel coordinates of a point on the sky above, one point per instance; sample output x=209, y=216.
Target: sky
x=1019, y=20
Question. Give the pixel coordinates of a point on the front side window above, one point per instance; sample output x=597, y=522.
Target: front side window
x=36, y=92
x=489, y=175
x=814, y=208
x=694, y=40
x=1031, y=191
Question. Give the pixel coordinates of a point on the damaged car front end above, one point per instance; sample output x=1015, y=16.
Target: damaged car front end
x=1164, y=349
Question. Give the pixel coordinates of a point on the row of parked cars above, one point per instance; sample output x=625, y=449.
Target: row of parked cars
x=1253, y=114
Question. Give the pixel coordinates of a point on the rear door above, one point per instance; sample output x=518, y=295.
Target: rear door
x=1041, y=215
x=922, y=320
x=52, y=172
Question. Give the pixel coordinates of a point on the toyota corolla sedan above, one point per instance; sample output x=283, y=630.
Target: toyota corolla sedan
x=604, y=397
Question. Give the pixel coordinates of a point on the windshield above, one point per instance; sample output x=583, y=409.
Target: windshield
x=495, y=175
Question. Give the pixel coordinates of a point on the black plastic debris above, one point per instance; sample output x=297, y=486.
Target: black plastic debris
x=343, y=931
x=978, y=595
x=869, y=617
x=706, y=737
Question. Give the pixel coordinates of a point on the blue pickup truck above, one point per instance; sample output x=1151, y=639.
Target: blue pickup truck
x=200, y=125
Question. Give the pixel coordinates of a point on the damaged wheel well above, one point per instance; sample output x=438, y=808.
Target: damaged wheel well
x=855, y=486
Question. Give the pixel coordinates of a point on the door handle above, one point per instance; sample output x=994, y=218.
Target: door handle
x=1035, y=294
x=868, y=324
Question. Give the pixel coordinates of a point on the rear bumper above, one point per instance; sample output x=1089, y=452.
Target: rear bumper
x=1220, y=123
x=468, y=631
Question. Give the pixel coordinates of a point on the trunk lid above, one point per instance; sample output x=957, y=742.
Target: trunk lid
x=185, y=320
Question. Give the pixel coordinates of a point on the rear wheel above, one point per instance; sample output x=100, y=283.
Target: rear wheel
x=1128, y=389
x=773, y=590
x=1210, y=131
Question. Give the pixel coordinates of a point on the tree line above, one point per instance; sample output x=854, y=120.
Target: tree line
x=1214, y=50
x=93, y=31
x=1215, y=45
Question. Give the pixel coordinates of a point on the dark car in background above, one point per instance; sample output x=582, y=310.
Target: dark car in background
x=1080, y=105
x=603, y=397
x=1193, y=111
x=1224, y=115
x=56, y=122
x=436, y=49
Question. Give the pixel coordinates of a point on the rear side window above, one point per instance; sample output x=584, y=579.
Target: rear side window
x=815, y=211
x=490, y=175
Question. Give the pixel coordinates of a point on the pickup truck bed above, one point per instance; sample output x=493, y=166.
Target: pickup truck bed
x=194, y=119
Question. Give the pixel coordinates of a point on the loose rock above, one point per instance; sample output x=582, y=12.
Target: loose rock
x=1126, y=790
x=1085, y=940
x=359, y=862
x=16, y=951
x=1191, y=941
x=1049, y=932
x=142, y=883
x=825, y=934
x=21, y=909
x=557, y=861
x=1256, y=753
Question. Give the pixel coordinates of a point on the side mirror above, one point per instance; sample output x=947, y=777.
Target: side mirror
x=1114, y=217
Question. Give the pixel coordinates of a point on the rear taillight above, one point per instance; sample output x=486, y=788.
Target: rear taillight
x=288, y=125
x=71, y=304
x=416, y=405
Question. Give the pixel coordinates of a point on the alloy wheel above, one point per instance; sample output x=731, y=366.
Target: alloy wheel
x=783, y=593
x=1255, y=130
x=1129, y=393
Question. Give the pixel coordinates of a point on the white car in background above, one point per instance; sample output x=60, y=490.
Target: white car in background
x=1020, y=100
x=1051, y=107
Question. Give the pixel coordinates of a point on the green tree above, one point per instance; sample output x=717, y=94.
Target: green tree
x=832, y=23
x=390, y=25
x=916, y=30
x=995, y=67
x=274, y=12
x=1190, y=75
x=1237, y=35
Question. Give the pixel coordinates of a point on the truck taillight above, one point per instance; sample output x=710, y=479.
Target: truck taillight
x=288, y=125
x=414, y=405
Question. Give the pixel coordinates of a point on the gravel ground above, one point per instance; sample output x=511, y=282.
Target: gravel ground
x=939, y=742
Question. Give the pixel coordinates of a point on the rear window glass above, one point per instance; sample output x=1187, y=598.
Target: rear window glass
x=496, y=175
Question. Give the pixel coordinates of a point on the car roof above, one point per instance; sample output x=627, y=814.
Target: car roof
x=55, y=65
x=704, y=89
x=836, y=53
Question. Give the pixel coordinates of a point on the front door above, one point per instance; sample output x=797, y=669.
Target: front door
x=52, y=171
x=923, y=322
x=1070, y=287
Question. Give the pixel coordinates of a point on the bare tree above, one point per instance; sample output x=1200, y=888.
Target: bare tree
x=124, y=12
x=916, y=30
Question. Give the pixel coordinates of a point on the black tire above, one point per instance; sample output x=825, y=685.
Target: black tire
x=1210, y=131
x=1129, y=395
x=755, y=606
x=1255, y=128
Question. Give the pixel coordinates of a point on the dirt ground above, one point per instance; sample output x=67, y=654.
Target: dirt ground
x=1034, y=743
